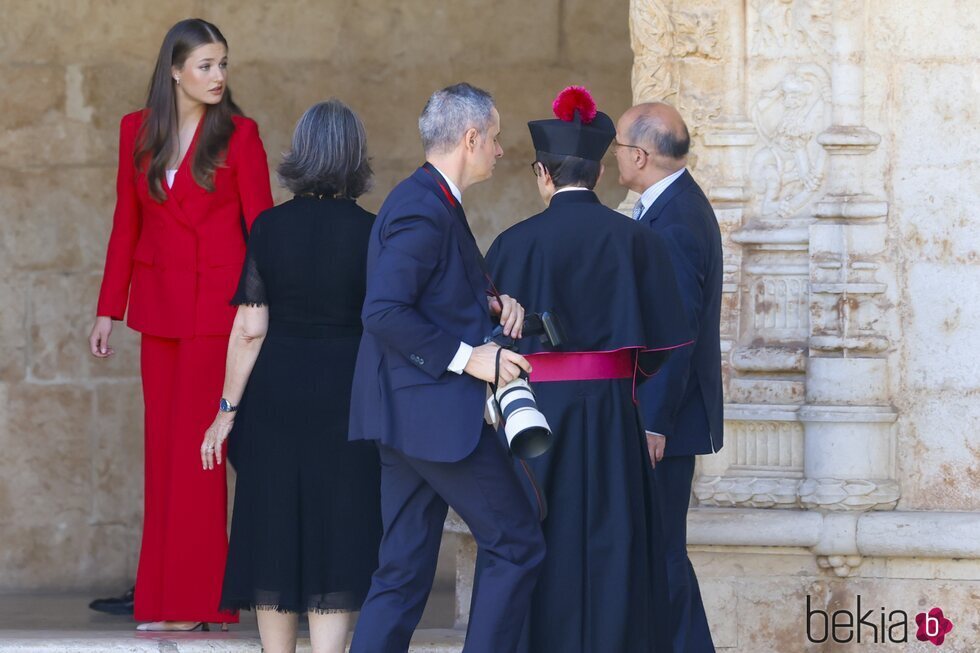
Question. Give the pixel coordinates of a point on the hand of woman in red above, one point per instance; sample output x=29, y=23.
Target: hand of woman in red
x=98, y=339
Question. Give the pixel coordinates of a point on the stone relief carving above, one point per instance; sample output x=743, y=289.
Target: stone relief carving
x=852, y=495
x=699, y=110
x=652, y=39
x=792, y=25
x=696, y=35
x=768, y=444
x=660, y=39
x=765, y=468
x=747, y=492
x=780, y=304
x=840, y=565
x=788, y=170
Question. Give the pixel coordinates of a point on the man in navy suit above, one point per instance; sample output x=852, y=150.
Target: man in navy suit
x=420, y=386
x=682, y=405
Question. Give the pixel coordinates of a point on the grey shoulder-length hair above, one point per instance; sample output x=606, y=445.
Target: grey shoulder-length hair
x=328, y=155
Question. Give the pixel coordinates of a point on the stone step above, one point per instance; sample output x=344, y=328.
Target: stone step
x=88, y=641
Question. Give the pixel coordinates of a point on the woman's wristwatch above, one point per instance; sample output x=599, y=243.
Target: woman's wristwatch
x=225, y=407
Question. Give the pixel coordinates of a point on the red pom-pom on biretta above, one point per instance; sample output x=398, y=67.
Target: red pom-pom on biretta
x=572, y=98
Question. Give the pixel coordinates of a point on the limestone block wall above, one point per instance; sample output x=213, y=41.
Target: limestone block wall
x=70, y=426
x=925, y=91
x=838, y=142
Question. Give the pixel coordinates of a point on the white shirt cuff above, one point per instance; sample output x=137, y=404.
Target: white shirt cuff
x=462, y=357
x=659, y=435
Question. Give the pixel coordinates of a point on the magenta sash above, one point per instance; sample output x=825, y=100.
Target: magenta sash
x=582, y=366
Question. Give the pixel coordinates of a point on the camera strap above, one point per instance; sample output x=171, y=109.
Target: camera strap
x=496, y=368
x=528, y=472
x=538, y=494
x=496, y=377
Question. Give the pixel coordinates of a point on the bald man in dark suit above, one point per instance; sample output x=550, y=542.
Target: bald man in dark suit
x=681, y=407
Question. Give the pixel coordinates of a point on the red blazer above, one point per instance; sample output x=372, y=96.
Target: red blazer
x=178, y=262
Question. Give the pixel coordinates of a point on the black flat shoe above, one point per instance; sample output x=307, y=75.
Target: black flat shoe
x=119, y=605
x=173, y=626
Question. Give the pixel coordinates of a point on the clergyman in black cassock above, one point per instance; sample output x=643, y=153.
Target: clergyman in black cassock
x=603, y=585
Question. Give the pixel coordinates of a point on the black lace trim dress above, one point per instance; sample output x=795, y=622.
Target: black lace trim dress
x=306, y=523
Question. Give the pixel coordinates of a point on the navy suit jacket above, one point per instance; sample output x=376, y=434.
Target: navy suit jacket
x=684, y=400
x=426, y=292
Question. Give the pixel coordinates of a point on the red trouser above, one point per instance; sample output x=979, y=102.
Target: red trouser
x=182, y=558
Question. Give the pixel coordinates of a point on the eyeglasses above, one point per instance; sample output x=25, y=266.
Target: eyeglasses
x=618, y=145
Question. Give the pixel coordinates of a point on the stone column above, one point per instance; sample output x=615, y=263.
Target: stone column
x=769, y=167
x=847, y=419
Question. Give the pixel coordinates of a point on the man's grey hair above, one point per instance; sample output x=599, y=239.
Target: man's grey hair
x=450, y=112
x=328, y=154
x=650, y=133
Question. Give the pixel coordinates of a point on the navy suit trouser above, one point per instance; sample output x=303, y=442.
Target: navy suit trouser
x=484, y=490
x=674, y=476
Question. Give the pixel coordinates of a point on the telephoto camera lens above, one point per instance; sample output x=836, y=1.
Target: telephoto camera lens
x=526, y=428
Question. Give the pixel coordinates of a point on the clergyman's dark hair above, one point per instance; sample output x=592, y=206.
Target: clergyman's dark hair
x=157, y=142
x=649, y=132
x=329, y=153
x=570, y=170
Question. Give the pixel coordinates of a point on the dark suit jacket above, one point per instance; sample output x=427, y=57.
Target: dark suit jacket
x=684, y=400
x=426, y=292
x=177, y=263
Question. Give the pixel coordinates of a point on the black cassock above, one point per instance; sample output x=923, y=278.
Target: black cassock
x=602, y=588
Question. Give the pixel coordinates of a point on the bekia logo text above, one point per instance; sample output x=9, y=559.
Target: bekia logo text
x=873, y=626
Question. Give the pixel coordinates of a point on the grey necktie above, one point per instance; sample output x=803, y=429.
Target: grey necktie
x=638, y=209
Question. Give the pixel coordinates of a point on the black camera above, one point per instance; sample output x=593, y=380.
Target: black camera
x=527, y=431
x=545, y=325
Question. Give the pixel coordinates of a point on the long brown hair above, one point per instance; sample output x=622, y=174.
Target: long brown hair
x=157, y=140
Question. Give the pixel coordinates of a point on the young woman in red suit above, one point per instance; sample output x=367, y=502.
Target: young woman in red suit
x=193, y=175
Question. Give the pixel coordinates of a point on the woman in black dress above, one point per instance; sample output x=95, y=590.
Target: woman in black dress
x=306, y=523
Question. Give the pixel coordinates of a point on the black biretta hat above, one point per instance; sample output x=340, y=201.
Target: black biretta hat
x=578, y=128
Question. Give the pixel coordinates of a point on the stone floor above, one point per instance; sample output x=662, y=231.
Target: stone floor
x=44, y=623
x=62, y=623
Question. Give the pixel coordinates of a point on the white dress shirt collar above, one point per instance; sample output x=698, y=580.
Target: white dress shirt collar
x=564, y=188
x=651, y=194
x=452, y=187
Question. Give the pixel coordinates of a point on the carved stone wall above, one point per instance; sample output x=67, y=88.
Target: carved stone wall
x=837, y=142
x=783, y=152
